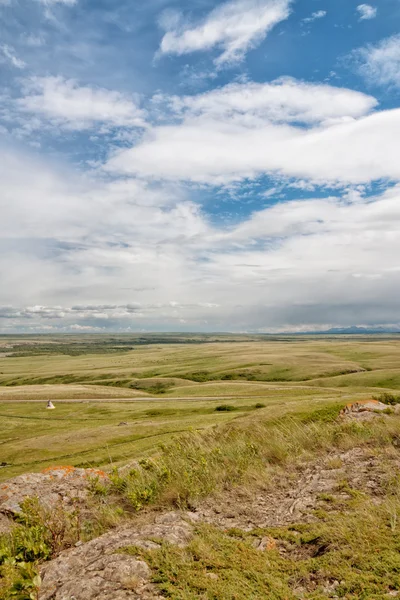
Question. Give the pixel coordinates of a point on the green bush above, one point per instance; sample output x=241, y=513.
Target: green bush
x=225, y=408
x=38, y=535
x=387, y=398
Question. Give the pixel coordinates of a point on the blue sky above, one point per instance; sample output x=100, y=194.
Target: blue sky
x=220, y=166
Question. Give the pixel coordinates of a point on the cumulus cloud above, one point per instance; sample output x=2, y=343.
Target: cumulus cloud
x=77, y=107
x=283, y=100
x=10, y=56
x=366, y=12
x=235, y=27
x=380, y=63
x=248, y=130
x=319, y=14
x=131, y=256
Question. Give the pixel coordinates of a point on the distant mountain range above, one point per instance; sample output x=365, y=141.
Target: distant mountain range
x=353, y=330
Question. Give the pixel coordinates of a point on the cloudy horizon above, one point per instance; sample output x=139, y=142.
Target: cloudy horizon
x=228, y=167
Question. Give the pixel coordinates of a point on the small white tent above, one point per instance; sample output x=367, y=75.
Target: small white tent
x=50, y=405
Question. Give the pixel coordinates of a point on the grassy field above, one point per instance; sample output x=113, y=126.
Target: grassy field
x=197, y=417
x=159, y=386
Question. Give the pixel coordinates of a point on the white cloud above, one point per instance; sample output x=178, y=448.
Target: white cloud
x=10, y=56
x=79, y=252
x=283, y=100
x=319, y=14
x=53, y=2
x=235, y=27
x=366, y=11
x=380, y=63
x=244, y=131
x=78, y=107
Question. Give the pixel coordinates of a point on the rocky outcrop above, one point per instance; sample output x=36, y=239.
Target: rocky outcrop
x=363, y=409
x=98, y=570
x=66, y=485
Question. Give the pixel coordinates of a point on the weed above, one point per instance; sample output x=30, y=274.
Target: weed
x=334, y=463
x=387, y=398
x=40, y=533
x=19, y=581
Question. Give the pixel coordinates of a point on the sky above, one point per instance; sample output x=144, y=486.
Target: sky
x=203, y=166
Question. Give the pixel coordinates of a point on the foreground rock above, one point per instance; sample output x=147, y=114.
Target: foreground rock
x=98, y=570
x=67, y=485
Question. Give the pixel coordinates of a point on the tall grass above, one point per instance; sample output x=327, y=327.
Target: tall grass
x=196, y=464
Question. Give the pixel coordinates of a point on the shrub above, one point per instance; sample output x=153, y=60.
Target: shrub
x=39, y=534
x=387, y=398
x=225, y=408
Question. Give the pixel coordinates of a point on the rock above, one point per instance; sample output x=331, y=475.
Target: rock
x=364, y=409
x=98, y=570
x=122, y=424
x=193, y=517
x=51, y=486
x=266, y=543
x=168, y=518
x=5, y=524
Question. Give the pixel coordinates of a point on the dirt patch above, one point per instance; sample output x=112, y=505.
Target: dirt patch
x=295, y=497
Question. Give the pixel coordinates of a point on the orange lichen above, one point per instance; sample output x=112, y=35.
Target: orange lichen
x=97, y=472
x=362, y=406
x=271, y=544
x=67, y=470
x=361, y=402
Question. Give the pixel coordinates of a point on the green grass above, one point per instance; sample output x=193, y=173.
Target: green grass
x=90, y=434
x=356, y=549
x=194, y=415
x=353, y=545
x=170, y=385
x=295, y=360
x=195, y=464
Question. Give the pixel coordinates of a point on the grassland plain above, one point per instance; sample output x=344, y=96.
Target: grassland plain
x=160, y=386
x=243, y=418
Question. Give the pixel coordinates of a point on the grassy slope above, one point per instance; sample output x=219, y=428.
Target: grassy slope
x=350, y=550
x=353, y=544
x=353, y=553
